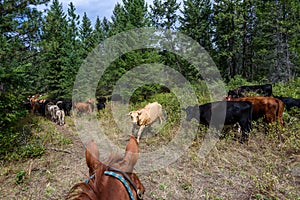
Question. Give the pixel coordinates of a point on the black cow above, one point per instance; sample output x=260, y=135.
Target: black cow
x=264, y=90
x=101, y=101
x=65, y=105
x=236, y=112
x=42, y=107
x=289, y=102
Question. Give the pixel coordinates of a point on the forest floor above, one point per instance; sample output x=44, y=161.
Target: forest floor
x=261, y=169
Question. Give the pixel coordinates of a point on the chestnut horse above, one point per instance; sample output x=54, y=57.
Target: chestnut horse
x=112, y=181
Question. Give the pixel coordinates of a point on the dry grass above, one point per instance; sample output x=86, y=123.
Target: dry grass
x=265, y=168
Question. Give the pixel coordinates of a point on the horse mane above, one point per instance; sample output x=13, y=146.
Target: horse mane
x=92, y=187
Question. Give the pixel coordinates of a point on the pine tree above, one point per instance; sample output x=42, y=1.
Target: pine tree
x=20, y=32
x=227, y=36
x=54, y=47
x=98, y=33
x=119, y=20
x=164, y=15
x=86, y=35
x=73, y=50
x=196, y=22
x=131, y=15
x=136, y=14
x=19, y=27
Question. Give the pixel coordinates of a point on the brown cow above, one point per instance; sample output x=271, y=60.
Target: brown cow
x=145, y=117
x=268, y=107
x=92, y=103
x=34, y=103
x=81, y=107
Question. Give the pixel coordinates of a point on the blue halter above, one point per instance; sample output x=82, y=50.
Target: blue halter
x=120, y=178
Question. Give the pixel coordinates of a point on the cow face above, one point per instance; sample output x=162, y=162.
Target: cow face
x=134, y=115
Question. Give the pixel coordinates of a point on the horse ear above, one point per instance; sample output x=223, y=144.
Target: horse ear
x=131, y=155
x=92, y=156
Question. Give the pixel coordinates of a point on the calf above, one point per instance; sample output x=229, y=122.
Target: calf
x=34, y=103
x=91, y=102
x=52, y=110
x=145, y=117
x=42, y=106
x=60, y=114
x=82, y=107
x=235, y=112
x=289, y=102
x=265, y=90
x=271, y=109
x=101, y=101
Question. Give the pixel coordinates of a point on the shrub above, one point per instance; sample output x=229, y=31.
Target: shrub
x=10, y=115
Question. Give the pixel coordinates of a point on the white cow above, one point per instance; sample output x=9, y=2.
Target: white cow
x=52, y=110
x=60, y=114
x=145, y=117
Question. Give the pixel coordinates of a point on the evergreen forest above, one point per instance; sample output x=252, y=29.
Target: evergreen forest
x=43, y=46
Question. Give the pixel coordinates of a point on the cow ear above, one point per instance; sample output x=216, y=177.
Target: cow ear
x=131, y=155
x=129, y=113
x=92, y=156
x=139, y=112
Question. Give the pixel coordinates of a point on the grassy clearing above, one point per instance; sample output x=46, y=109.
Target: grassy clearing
x=268, y=167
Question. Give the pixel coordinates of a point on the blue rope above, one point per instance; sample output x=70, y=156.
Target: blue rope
x=88, y=180
x=120, y=178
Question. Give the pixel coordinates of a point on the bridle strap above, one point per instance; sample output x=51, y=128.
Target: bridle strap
x=125, y=176
x=120, y=178
x=111, y=172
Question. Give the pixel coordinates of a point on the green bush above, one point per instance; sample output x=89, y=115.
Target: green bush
x=290, y=89
x=10, y=128
x=238, y=81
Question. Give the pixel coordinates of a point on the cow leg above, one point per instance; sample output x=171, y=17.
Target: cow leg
x=63, y=120
x=245, y=135
x=239, y=127
x=140, y=133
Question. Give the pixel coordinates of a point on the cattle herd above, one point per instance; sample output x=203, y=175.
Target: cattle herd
x=237, y=108
x=56, y=110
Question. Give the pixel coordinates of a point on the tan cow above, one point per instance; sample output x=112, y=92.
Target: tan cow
x=145, y=117
x=82, y=107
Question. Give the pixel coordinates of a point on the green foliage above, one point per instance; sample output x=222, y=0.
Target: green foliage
x=10, y=115
x=238, y=81
x=30, y=151
x=20, y=176
x=196, y=22
x=288, y=89
x=163, y=13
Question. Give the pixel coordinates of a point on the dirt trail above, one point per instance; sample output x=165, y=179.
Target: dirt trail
x=50, y=176
x=231, y=171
